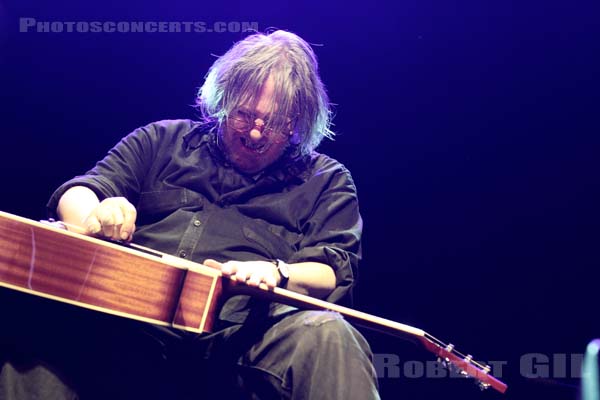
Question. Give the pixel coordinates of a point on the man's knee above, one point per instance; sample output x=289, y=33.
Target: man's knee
x=326, y=328
x=33, y=381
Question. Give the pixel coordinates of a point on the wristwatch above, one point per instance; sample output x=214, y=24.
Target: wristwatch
x=284, y=272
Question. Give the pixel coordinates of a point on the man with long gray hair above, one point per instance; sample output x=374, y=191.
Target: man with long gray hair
x=242, y=190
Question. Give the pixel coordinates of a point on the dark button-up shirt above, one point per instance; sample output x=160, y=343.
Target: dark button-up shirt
x=193, y=204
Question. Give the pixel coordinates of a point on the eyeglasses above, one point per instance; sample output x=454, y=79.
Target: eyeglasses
x=243, y=121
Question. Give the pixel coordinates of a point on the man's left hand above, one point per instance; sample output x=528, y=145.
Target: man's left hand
x=253, y=273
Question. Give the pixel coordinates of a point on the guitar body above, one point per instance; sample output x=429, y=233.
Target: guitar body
x=45, y=261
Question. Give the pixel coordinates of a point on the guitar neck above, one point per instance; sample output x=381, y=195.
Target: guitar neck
x=445, y=353
x=310, y=303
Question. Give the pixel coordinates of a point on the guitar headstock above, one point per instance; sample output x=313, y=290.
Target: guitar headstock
x=463, y=365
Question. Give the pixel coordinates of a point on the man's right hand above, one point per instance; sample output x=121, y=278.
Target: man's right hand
x=113, y=218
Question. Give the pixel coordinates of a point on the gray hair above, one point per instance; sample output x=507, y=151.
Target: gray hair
x=236, y=79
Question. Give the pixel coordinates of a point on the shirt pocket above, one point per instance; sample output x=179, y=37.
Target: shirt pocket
x=157, y=205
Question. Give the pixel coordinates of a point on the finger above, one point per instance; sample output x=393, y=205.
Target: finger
x=106, y=218
x=110, y=209
x=225, y=268
x=92, y=225
x=209, y=262
x=116, y=214
x=255, y=279
x=131, y=234
x=110, y=231
x=114, y=218
x=271, y=281
x=129, y=215
x=242, y=273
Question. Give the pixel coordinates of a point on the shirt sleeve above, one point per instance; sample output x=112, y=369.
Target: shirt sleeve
x=121, y=172
x=333, y=231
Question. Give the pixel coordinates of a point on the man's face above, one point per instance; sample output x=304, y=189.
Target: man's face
x=249, y=146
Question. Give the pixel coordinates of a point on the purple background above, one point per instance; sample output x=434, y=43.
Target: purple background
x=471, y=130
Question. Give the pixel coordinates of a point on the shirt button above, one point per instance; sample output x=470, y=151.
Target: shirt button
x=197, y=223
x=183, y=254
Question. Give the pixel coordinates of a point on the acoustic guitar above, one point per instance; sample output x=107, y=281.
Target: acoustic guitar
x=142, y=284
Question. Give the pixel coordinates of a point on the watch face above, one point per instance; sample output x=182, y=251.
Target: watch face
x=283, y=269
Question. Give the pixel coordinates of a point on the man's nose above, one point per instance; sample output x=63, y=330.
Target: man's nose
x=256, y=131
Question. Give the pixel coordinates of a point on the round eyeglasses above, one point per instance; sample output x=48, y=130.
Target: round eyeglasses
x=243, y=121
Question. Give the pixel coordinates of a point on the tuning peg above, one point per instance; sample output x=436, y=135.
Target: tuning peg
x=486, y=370
x=444, y=361
x=468, y=360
